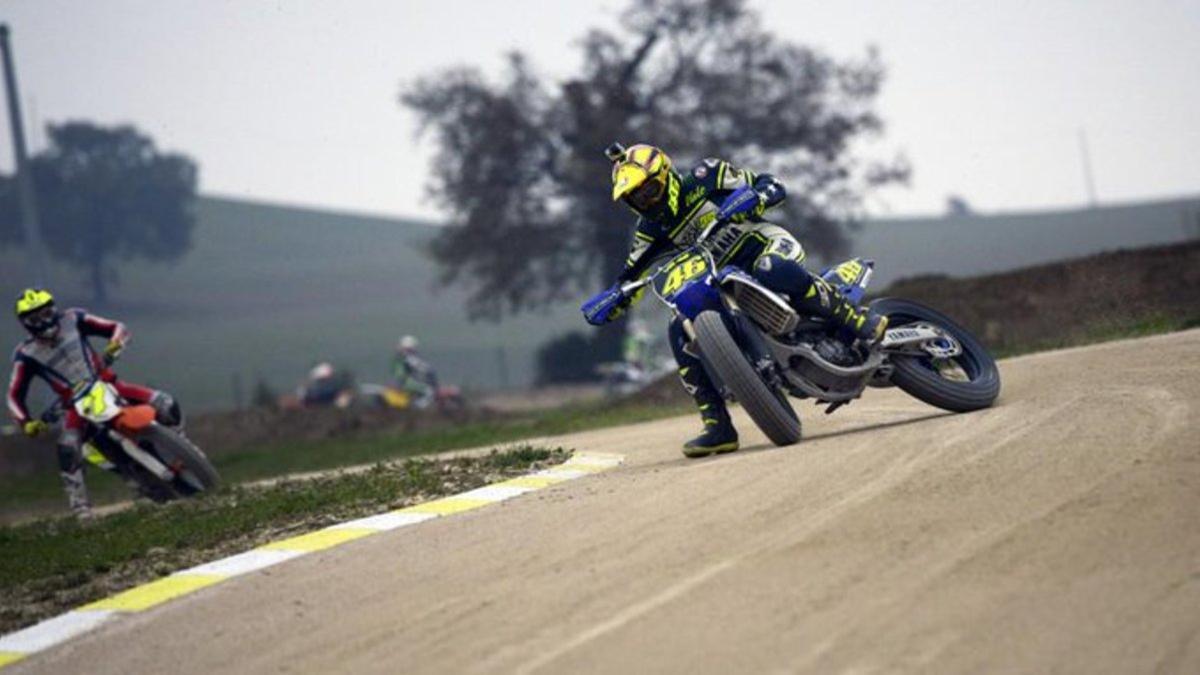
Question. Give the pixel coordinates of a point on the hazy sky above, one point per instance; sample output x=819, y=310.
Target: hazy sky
x=296, y=101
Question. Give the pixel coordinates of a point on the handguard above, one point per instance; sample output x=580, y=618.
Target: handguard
x=742, y=202
x=604, y=306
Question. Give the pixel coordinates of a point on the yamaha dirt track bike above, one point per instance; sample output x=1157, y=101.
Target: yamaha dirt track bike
x=758, y=350
x=159, y=461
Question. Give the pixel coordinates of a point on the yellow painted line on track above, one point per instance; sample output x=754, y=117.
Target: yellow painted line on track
x=16, y=646
x=448, y=506
x=144, y=597
x=319, y=540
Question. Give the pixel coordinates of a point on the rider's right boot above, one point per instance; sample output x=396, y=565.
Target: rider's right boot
x=823, y=300
x=813, y=295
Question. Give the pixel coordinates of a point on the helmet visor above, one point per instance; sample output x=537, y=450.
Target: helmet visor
x=646, y=195
x=41, y=321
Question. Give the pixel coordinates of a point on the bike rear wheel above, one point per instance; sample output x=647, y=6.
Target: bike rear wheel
x=969, y=381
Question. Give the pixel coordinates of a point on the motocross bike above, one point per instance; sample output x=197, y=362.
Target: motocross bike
x=157, y=460
x=758, y=349
x=447, y=398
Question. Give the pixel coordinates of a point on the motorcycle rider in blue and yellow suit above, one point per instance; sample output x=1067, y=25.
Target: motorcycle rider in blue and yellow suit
x=673, y=209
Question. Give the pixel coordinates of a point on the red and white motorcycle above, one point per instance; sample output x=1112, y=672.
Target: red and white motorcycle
x=125, y=438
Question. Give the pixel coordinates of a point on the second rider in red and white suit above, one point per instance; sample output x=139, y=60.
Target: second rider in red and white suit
x=58, y=352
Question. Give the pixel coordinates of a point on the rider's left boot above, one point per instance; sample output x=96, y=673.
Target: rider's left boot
x=77, y=493
x=718, y=436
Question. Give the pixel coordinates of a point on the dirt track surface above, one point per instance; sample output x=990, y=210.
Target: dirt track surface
x=1057, y=532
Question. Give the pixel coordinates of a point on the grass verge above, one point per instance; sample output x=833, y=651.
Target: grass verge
x=54, y=565
x=270, y=461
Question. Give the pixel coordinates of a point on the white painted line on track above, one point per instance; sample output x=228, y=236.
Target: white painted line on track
x=496, y=492
x=53, y=631
x=242, y=563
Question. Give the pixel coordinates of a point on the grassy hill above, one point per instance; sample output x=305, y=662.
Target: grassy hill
x=267, y=290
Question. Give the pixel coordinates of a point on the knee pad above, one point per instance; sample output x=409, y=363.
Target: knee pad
x=691, y=370
x=70, y=459
x=783, y=276
x=167, y=410
x=680, y=345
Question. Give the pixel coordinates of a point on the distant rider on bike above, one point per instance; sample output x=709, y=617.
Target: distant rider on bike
x=58, y=352
x=413, y=374
x=673, y=210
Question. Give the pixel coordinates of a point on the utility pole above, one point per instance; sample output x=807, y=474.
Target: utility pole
x=1087, y=168
x=29, y=213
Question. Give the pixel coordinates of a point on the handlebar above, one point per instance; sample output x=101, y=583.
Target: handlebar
x=56, y=410
x=53, y=413
x=631, y=287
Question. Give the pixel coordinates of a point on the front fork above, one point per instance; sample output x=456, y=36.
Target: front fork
x=754, y=347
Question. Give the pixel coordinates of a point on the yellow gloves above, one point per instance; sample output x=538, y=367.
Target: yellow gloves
x=113, y=348
x=34, y=428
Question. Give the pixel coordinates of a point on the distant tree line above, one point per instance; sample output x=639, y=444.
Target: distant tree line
x=105, y=195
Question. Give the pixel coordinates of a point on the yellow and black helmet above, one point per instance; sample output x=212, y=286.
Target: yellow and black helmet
x=639, y=175
x=36, y=311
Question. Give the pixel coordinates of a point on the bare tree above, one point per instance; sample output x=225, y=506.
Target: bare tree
x=519, y=165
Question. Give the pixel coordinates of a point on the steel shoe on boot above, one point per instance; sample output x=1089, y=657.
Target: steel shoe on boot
x=719, y=436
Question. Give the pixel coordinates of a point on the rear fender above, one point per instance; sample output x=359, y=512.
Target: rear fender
x=851, y=278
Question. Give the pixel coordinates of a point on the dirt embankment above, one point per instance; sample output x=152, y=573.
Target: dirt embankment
x=1069, y=302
